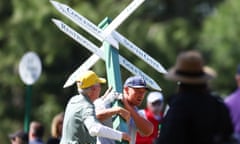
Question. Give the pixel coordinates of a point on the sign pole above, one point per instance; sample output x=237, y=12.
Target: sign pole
x=112, y=62
x=27, y=107
x=113, y=77
x=30, y=69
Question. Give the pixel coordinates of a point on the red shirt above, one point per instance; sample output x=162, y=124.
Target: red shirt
x=149, y=139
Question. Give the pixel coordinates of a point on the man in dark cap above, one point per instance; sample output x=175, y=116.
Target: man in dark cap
x=194, y=116
x=19, y=137
x=233, y=103
x=133, y=94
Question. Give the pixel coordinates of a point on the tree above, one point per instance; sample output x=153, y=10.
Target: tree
x=219, y=40
x=161, y=28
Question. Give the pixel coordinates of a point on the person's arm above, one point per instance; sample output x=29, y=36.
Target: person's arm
x=97, y=129
x=103, y=111
x=103, y=114
x=144, y=126
x=103, y=131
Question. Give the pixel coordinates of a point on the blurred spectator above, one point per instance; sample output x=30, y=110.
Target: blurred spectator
x=154, y=113
x=210, y=71
x=19, y=137
x=56, y=129
x=195, y=116
x=233, y=103
x=36, y=132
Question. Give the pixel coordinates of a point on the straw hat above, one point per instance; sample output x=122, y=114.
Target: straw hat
x=189, y=68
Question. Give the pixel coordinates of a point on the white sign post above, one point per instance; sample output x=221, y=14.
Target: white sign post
x=30, y=69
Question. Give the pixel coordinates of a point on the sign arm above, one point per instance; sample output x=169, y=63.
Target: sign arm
x=94, y=49
x=122, y=16
x=85, y=66
x=97, y=32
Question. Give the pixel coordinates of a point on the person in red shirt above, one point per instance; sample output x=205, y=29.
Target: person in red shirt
x=154, y=113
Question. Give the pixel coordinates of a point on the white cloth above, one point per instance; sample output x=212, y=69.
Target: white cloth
x=103, y=131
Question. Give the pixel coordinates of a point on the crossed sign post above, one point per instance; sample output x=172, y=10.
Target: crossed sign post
x=110, y=55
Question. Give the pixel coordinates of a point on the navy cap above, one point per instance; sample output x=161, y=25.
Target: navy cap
x=135, y=82
x=238, y=69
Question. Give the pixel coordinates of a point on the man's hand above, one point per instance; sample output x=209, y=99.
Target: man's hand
x=126, y=137
x=124, y=113
x=144, y=126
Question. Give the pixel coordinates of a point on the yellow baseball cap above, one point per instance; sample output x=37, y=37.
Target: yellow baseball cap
x=88, y=79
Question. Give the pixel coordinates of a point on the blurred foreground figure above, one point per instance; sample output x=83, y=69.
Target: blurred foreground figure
x=195, y=116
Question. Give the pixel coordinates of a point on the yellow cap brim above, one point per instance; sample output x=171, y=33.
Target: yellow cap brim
x=101, y=80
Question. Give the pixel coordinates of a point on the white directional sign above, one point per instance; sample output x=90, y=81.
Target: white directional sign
x=93, y=48
x=30, y=68
x=84, y=67
x=99, y=34
x=121, y=17
x=140, y=53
